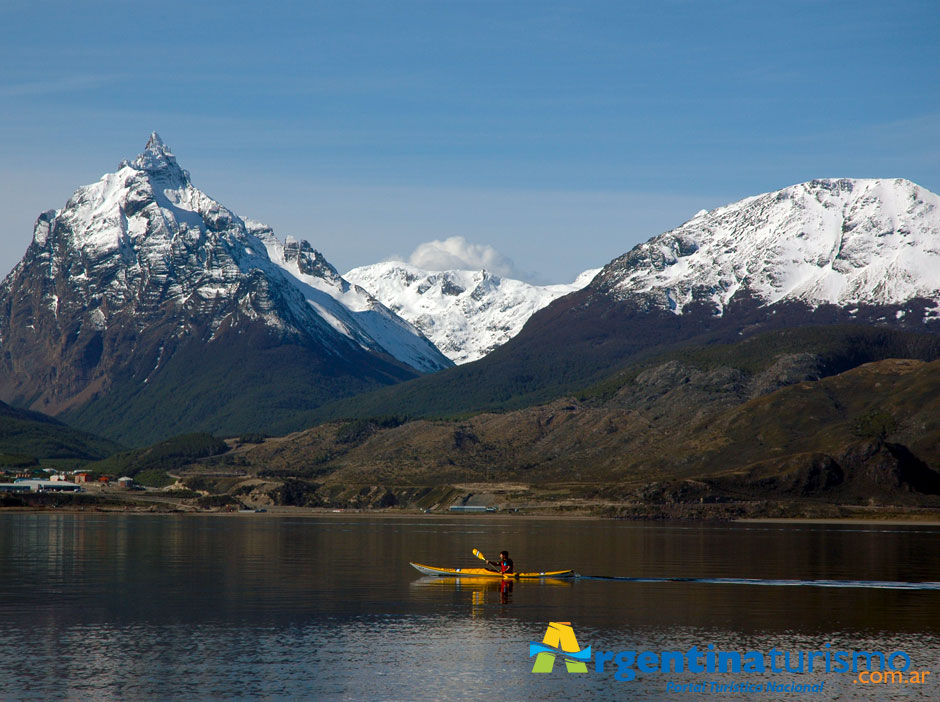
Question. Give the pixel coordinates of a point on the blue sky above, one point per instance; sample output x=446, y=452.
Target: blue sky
x=560, y=133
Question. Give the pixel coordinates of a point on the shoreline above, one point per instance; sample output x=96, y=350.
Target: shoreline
x=914, y=521
x=891, y=518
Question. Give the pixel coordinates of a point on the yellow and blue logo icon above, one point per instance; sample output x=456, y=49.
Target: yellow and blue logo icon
x=559, y=640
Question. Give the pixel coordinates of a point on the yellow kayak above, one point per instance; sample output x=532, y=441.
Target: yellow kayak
x=484, y=573
x=482, y=583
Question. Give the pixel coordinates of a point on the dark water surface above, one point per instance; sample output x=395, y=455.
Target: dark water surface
x=134, y=607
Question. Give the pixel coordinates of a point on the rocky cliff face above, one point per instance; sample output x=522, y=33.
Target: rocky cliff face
x=142, y=265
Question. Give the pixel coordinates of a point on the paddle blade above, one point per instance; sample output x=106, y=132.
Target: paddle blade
x=479, y=555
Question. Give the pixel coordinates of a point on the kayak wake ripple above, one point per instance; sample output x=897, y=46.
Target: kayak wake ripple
x=868, y=584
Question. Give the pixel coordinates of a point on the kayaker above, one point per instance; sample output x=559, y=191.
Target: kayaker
x=504, y=563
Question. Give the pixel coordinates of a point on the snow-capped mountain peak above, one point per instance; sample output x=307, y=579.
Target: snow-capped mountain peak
x=465, y=313
x=843, y=242
x=144, y=240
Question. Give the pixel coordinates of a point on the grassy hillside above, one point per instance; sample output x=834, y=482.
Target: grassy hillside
x=734, y=422
x=29, y=438
x=483, y=386
x=241, y=383
x=825, y=415
x=150, y=465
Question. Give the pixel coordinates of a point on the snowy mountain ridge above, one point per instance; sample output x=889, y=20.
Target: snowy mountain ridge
x=144, y=236
x=844, y=242
x=466, y=314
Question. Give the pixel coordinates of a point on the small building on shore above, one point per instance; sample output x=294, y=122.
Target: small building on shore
x=125, y=482
x=48, y=485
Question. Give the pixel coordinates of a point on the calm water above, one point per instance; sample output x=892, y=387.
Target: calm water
x=257, y=607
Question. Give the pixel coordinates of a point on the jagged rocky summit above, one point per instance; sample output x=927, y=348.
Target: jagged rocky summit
x=467, y=314
x=142, y=270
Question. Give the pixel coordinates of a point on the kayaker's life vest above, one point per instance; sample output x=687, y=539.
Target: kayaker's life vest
x=505, y=565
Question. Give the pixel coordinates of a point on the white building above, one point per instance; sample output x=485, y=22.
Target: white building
x=48, y=485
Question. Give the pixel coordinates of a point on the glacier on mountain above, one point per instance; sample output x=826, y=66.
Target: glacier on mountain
x=466, y=314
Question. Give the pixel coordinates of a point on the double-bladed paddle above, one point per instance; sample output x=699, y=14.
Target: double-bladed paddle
x=476, y=552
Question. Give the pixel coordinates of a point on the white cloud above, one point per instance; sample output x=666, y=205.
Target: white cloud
x=457, y=253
